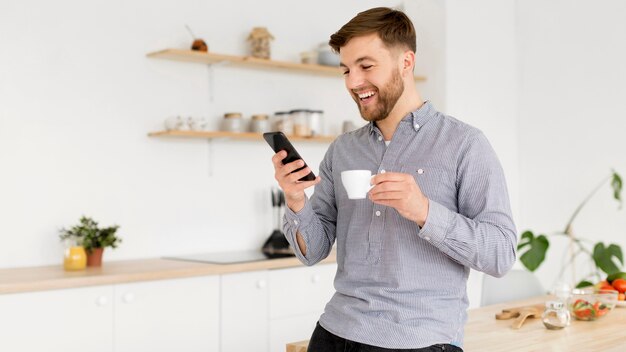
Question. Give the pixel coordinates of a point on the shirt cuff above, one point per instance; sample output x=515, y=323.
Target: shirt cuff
x=436, y=226
x=301, y=219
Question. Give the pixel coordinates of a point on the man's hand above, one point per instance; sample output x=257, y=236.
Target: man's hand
x=288, y=181
x=401, y=192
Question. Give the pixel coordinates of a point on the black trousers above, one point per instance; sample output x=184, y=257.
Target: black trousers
x=324, y=341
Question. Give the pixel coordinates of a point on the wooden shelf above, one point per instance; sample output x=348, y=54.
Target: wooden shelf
x=246, y=61
x=235, y=135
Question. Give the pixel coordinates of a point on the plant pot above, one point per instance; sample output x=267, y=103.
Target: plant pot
x=95, y=257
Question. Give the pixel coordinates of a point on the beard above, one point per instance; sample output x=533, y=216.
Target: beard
x=386, y=97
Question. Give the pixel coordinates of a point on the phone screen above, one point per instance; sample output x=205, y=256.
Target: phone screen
x=278, y=141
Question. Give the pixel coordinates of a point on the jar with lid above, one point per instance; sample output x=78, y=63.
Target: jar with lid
x=233, y=122
x=300, y=119
x=316, y=122
x=556, y=316
x=259, y=123
x=281, y=121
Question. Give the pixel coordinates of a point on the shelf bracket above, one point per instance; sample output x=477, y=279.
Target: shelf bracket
x=210, y=157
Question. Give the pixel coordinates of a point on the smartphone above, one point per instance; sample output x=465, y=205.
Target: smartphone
x=278, y=141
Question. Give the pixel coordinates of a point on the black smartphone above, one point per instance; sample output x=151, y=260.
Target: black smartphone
x=278, y=141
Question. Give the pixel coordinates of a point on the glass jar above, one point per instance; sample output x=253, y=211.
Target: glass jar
x=233, y=122
x=282, y=122
x=74, y=256
x=556, y=316
x=316, y=122
x=259, y=123
x=300, y=118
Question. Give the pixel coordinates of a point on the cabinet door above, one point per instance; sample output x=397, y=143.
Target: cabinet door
x=168, y=315
x=68, y=320
x=291, y=329
x=245, y=312
x=301, y=290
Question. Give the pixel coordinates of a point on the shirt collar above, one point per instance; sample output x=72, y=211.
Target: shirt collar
x=417, y=118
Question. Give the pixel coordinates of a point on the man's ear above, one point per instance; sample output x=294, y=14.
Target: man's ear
x=408, y=62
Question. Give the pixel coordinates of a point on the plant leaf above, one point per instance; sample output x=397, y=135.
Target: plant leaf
x=616, y=184
x=536, y=253
x=584, y=283
x=603, y=256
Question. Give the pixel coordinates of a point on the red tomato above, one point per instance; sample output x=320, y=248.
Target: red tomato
x=619, y=285
x=583, y=313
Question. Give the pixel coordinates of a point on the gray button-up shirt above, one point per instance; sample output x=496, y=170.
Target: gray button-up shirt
x=399, y=285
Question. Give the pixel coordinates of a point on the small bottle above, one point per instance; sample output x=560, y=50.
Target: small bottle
x=233, y=122
x=75, y=257
x=556, y=316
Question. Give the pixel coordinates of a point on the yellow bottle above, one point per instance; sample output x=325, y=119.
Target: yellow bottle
x=75, y=257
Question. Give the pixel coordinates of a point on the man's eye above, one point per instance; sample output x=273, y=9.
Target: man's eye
x=367, y=67
x=345, y=72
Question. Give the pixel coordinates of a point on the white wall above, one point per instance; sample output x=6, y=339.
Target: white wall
x=572, y=118
x=480, y=84
x=78, y=96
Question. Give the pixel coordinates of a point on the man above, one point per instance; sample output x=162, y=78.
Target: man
x=439, y=205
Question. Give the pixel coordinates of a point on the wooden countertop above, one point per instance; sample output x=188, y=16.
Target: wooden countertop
x=54, y=277
x=483, y=333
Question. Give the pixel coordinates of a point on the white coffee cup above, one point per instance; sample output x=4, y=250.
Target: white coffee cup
x=356, y=183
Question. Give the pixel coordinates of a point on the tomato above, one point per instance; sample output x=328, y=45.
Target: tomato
x=621, y=297
x=583, y=313
x=619, y=285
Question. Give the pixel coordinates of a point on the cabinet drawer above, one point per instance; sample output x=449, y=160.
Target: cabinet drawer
x=300, y=290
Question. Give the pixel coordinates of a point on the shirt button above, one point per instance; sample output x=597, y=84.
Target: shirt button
x=420, y=171
x=382, y=171
x=417, y=126
x=427, y=238
x=380, y=138
x=377, y=212
x=295, y=222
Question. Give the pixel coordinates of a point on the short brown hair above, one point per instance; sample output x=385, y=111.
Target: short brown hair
x=392, y=26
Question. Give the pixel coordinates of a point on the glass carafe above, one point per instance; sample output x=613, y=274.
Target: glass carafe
x=74, y=257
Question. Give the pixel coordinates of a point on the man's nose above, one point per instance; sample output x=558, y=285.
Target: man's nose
x=354, y=80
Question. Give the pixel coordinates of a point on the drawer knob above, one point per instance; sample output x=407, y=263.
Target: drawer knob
x=261, y=284
x=128, y=297
x=102, y=301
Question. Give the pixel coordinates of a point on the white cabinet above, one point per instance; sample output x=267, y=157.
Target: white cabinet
x=168, y=315
x=245, y=312
x=297, y=299
x=264, y=310
x=71, y=320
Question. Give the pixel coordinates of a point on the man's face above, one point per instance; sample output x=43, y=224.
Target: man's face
x=372, y=76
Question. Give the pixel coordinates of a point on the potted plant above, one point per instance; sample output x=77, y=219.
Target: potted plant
x=607, y=259
x=93, y=238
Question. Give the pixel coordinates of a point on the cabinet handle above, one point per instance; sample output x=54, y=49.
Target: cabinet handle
x=128, y=297
x=261, y=284
x=102, y=301
x=315, y=278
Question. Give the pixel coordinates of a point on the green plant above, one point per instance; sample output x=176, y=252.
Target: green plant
x=605, y=258
x=92, y=236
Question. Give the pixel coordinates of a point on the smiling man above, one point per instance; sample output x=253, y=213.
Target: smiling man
x=439, y=205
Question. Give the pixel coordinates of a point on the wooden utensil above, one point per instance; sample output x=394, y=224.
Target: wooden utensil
x=510, y=313
x=525, y=313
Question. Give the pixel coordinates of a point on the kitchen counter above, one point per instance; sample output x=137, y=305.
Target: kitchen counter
x=483, y=333
x=114, y=272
